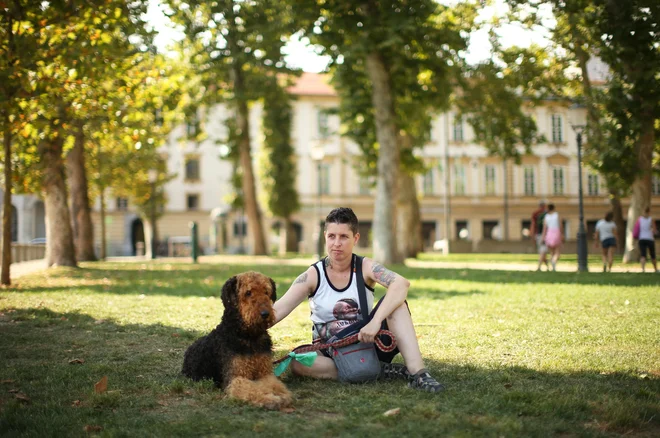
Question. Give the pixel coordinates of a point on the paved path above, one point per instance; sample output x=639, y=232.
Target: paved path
x=26, y=268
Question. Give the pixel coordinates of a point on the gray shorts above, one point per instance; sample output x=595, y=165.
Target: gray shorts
x=540, y=244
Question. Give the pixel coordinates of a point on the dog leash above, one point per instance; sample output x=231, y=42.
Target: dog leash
x=349, y=340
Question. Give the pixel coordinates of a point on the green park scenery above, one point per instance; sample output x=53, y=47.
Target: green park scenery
x=98, y=350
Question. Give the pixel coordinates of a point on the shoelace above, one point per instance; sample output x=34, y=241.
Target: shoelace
x=353, y=339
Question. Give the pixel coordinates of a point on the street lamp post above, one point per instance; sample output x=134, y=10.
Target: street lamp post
x=581, y=234
x=153, y=176
x=317, y=153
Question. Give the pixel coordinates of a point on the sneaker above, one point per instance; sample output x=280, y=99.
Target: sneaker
x=424, y=382
x=391, y=371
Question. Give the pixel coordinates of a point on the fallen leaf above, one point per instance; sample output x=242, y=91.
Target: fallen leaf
x=22, y=397
x=288, y=410
x=76, y=403
x=508, y=385
x=7, y=381
x=75, y=361
x=101, y=386
x=392, y=412
x=99, y=321
x=176, y=335
x=64, y=318
x=89, y=428
x=162, y=403
x=13, y=391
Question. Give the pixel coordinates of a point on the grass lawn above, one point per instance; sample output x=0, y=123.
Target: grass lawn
x=521, y=354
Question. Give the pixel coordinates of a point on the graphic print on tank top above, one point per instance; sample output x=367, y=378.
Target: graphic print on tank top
x=346, y=312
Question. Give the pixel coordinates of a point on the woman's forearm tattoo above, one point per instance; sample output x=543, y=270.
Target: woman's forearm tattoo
x=383, y=275
x=301, y=278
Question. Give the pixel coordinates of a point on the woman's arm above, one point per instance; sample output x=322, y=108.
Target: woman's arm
x=302, y=288
x=397, y=291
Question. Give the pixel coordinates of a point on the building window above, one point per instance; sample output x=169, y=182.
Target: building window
x=529, y=181
x=655, y=185
x=462, y=231
x=459, y=179
x=192, y=125
x=558, y=180
x=490, y=179
x=323, y=183
x=322, y=123
x=121, y=204
x=240, y=227
x=458, y=129
x=192, y=169
x=364, y=185
x=557, y=134
x=489, y=228
x=192, y=202
x=525, y=229
x=593, y=184
x=429, y=188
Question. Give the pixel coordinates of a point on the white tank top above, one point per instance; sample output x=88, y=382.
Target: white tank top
x=645, y=231
x=551, y=220
x=335, y=309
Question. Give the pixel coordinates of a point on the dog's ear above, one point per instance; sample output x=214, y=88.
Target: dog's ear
x=229, y=292
x=273, y=294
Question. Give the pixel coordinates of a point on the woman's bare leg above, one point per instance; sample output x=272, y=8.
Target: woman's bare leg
x=400, y=323
x=323, y=368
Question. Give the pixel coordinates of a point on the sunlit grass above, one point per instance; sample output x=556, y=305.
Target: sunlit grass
x=521, y=354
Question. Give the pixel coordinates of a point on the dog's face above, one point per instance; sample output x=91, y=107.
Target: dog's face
x=253, y=295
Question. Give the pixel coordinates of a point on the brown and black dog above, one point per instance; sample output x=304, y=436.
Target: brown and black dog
x=237, y=354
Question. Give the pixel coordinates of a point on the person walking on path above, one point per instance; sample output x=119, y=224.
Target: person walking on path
x=537, y=235
x=330, y=287
x=647, y=232
x=553, y=234
x=606, y=235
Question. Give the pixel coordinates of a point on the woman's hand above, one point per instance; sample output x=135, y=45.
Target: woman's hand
x=369, y=331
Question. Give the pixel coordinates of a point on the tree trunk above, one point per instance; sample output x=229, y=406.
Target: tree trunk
x=288, y=239
x=6, y=208
x=620, y=222
x=81, y=219
x=59, y=247
x=408, y=218
x=102, y=254
x=641, y=188
x=255, y=223
x=384, y=243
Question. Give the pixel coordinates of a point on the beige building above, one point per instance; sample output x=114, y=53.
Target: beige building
x=470, y=210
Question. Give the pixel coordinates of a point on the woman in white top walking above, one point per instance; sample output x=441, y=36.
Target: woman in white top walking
x=647, y=232
x=553, y=234
x=606, y=235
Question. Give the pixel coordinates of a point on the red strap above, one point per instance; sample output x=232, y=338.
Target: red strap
x=353, y=339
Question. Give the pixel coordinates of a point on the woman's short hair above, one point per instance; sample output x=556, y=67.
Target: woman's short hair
x=609, y=216
x=343, y=215
x=551, y=207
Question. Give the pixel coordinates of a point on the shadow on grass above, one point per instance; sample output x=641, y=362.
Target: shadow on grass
x=147, y=396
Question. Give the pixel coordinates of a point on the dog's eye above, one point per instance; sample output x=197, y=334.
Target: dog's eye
x=248, y=293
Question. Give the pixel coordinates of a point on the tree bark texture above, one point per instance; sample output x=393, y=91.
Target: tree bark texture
x=641, y=188
x=59, y=247
x=408, y=218
x=81, y=218
x=620, y=222
x=5, y=277
x=384, y=243
x=102, y=254
x=288, y=238
x=255, y=222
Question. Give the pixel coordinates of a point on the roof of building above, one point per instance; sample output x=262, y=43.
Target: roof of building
x=313, y=84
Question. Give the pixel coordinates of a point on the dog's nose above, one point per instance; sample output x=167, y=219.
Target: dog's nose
x=264, y=314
